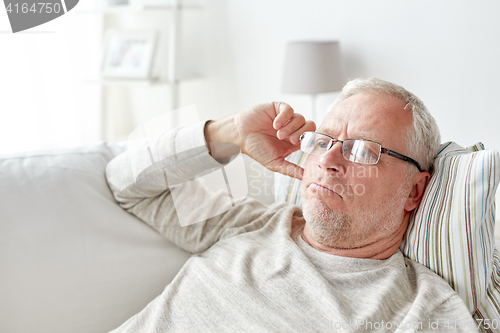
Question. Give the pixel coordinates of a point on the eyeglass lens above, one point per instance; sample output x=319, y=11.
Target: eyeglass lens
x=359, y=151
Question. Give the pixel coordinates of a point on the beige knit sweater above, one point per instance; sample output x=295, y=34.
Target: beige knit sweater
x=252, y=272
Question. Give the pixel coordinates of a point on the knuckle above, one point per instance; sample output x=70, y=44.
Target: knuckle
x=300, y=117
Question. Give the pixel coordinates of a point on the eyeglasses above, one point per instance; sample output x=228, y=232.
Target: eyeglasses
x=355, y=150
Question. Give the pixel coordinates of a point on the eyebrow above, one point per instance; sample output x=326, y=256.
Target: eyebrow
x=359, y=136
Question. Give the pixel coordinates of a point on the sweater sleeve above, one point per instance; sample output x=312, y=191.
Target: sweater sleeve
x=161, y=182
x=449, y=317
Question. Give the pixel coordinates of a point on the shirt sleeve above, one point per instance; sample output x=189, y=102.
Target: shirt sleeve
x=161, y=181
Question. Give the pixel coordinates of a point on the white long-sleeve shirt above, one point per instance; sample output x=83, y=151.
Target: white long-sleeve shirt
x=251, y=271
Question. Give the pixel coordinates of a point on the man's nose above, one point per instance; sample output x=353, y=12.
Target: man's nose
x=333, y=159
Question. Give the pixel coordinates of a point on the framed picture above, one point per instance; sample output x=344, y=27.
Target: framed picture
x=128, y=54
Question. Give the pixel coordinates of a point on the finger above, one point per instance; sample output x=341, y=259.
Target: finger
x=294, y=124
x=288, y=169
x=284, y=114
x=309, y=126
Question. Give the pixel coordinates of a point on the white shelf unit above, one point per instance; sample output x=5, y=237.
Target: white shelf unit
x=172, y=80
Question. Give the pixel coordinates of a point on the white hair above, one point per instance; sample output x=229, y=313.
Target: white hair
x=423, y=139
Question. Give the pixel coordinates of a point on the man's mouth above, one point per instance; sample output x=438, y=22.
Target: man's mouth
x=320, y=187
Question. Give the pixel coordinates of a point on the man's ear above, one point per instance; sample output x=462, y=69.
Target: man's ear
x=420, y=180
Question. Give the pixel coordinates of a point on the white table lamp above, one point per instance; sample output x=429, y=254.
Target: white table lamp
x=312, y=68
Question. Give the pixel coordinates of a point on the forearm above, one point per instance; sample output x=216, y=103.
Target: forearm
x=170, y=196
x=142, y=179
x=140, y=171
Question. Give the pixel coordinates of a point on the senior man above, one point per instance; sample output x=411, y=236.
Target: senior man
x=333, y=265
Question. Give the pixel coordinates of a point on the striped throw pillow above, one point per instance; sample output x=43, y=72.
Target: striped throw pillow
x=488, y=312
x=452, y=231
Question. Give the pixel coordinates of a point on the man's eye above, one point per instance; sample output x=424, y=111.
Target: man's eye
x=322, y=144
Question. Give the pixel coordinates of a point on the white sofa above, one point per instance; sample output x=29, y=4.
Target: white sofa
x=71, y=259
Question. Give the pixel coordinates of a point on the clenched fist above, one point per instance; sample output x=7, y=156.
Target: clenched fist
x=266, y=132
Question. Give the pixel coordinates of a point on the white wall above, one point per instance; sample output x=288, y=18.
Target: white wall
x=446, y=52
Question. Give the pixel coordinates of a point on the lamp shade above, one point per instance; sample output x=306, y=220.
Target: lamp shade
x=312, y=68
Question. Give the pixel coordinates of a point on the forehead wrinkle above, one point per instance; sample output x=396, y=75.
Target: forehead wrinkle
x=365, y=135
x=369, y=117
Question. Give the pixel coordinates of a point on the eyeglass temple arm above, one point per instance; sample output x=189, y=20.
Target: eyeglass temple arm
x=401, y=157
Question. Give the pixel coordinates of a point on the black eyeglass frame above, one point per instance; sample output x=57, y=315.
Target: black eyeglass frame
x=382, y=149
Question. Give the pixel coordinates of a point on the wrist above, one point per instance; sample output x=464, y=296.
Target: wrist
x=221, y=130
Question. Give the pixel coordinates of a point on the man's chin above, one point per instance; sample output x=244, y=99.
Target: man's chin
x=325, y=225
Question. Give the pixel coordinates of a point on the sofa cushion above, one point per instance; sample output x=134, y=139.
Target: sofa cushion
x=72, y=260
